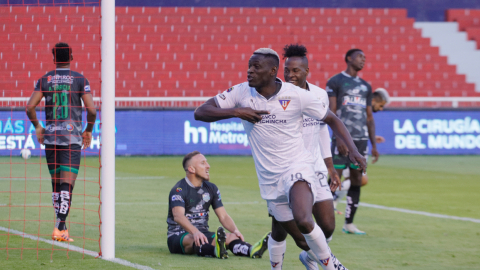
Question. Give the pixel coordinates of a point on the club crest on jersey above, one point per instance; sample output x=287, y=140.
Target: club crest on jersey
x=325, y=261
x=284, y=103
x=69, y=127
x=206, y=197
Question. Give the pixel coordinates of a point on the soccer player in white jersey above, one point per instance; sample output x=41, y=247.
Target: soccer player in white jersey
x=272, y=113
x=317, y=140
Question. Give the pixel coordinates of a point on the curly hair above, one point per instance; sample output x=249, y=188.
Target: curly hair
x=61, y=52
x=294, y=50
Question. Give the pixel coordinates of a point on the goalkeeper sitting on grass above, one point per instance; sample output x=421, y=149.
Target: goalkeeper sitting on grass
x=188, y=210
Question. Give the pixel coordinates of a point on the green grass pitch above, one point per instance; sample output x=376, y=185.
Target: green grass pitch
x=448, y=185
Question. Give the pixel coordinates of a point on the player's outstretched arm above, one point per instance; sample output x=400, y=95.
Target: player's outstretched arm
x=210, y=112
x=179, y=217
x=341, y=132
x=227, y=222
x=32, y=114
x=91, y=117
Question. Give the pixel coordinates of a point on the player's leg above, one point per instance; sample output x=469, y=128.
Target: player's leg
x=277, y=244
x=342, y=192
x=325, y=217
x=69, y=165
x=323, y=210
x=54, y=170
x=180, y=244
x=353, y=195
x=242, y=248
x=301, y=201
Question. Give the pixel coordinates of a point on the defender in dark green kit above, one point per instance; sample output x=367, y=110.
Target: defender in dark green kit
x=62, y=136
x=351, y=100
x=189, y=204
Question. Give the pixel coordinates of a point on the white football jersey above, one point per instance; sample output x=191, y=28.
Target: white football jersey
x=276, y=140
x=312, y=131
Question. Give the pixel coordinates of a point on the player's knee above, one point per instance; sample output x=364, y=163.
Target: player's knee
x=305, y=224
x=328, y=228
x=231, y=237
x=279, y=235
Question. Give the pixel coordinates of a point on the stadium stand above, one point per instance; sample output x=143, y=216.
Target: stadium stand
x=468, y=21
x=171, y=51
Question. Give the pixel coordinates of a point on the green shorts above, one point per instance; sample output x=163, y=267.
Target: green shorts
x=175, y=242
x=343, y=162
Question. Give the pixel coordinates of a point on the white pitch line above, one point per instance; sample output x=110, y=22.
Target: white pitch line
x=87, y=178
x=124, y=203
x=75, y=248
x=419, y=212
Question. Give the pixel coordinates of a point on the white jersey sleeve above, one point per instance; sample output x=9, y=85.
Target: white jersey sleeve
x=324, y=135
x=312, y=106
x=231, y=97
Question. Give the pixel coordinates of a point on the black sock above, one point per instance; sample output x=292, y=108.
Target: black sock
x=65, y=202
x=55, y=197
x=205, y=250
x=353, y=197
x=239, y=248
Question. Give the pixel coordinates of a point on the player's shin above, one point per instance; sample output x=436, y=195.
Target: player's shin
x=65, y=201
x=353, y=197
x=318, y=246
x=205, y=250
x=55, y=197
x=276, y=250
x=239, y=248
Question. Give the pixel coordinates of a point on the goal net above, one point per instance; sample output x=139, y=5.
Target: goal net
x=28, y=214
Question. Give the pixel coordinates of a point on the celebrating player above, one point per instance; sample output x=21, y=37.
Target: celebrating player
x=188, y=210
x=351, y=99
x=380, y=98
x=317, y=141
x=62, y=136
x=272, y=114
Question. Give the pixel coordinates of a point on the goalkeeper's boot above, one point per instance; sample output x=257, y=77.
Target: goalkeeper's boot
x=61, y=236
x=220, y=239
x=257, y=250
x=352, y=229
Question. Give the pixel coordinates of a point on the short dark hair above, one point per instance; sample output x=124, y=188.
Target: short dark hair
x=267, y=52
x=350, y=52
x=187, y=158
x=293, y=50
x=61, y=52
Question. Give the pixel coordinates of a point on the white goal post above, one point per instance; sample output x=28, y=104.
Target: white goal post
x=107, y=195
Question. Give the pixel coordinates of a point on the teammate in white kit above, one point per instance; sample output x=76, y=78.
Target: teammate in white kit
x=272, y=114
x=317, y=140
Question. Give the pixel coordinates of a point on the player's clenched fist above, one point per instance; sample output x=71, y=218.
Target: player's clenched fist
x=249, y=114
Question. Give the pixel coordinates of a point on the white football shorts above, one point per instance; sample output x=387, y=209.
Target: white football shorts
x=280, y=207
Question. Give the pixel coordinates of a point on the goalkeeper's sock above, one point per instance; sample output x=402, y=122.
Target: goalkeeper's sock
x=239, y=248
x=276, y=250
x=205, y=250
x=55, y=197
x=65, y=202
